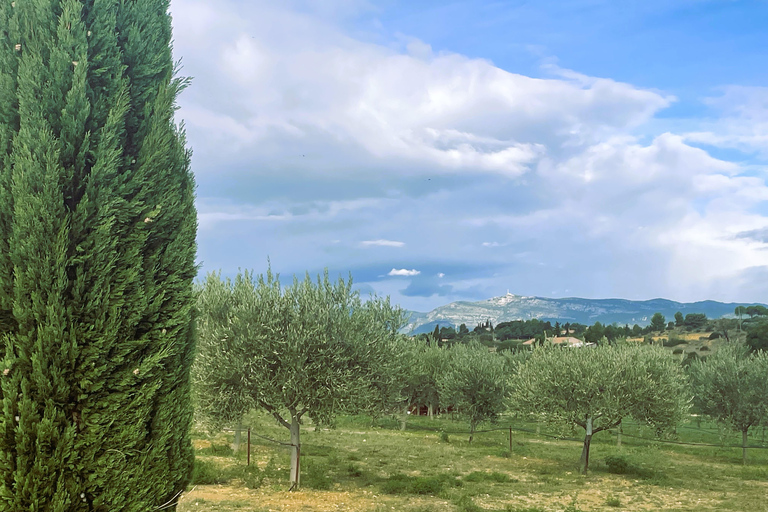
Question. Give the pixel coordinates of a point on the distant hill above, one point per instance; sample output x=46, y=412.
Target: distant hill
x=584, y=311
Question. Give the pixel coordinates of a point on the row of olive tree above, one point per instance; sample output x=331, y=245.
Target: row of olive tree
x=316, y=348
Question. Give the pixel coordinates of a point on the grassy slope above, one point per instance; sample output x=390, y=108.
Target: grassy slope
x=356, y=467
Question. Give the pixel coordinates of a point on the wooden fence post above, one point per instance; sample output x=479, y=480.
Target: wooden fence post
x=249, y=447
x=510, y=439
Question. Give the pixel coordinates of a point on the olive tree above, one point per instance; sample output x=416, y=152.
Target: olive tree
x=425, y=363
x=474, y=381
x=596, y=387
x=731, y=386
x=310, y=348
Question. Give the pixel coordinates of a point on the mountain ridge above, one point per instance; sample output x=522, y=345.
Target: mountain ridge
x=506, y=308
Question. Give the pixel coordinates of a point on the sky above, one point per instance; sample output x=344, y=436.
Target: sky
x=458, y=150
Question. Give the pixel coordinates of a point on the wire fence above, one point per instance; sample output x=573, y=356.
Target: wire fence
x=537, y=432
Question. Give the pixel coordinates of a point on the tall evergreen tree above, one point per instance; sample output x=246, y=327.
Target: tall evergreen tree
x=97, y=247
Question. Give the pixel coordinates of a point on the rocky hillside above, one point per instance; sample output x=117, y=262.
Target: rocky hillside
x=584, y=311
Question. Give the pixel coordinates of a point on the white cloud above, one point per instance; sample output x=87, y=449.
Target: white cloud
x=382, y=243
x=286, y=104
x=403, y=272
x=744, y=124
x=275, y=80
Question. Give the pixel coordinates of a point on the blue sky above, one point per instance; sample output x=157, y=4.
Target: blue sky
x=444, y=151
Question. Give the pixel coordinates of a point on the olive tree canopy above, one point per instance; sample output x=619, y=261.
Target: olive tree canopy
x=596, y=387
x=311, y=348
x=731, y=386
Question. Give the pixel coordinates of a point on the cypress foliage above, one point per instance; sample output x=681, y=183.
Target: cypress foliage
x=97, y=248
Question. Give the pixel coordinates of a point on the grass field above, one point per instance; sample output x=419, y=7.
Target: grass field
x=356, y=467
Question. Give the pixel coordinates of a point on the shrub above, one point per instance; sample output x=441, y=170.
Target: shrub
x=251, y=476
x=465, y=504
x=396, y=484
x=613, y=501
x=674, y=341
x=714, y=336
x=704, y=348
x=316, y=475
x=620, y=465
x=677, y=351
x=482, y=476
x=432, y=485
x=206, y=473
x=353, y=471
x=426, y=485
x=444, y=437
x=617, y=464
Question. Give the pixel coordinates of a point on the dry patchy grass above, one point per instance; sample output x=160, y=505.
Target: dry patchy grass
x=358, y=468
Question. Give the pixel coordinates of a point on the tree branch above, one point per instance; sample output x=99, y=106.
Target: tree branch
x=271, y=410
x=606, y=427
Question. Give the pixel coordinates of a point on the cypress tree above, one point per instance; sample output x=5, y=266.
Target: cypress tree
x=97, y=248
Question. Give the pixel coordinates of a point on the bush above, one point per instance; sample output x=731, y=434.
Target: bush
x=353, y=471
x=689, y=358
x=316, y=475
x=465, y=504
x=704, y=348
x=432, y=485
x=396, y=484
x=674, y=341
x=714, y=336
x=677, y=351
x=620, y=465
x=251, y=476
x=206, y=473
x=444, y=437
x=617, y=464
x=613, y=501
x=426, y=485
x=482, y=476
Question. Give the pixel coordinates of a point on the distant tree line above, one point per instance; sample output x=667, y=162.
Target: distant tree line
x=510, y=335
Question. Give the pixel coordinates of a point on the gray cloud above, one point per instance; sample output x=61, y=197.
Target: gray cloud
x=426, y=286
x=758, y=235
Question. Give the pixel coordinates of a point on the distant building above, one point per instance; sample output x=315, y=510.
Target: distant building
x=567, y=341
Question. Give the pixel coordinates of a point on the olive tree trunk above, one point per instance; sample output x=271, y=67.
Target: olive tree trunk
x=236, y=444
x=295, y=453
x=584, y=462
x=744, y=446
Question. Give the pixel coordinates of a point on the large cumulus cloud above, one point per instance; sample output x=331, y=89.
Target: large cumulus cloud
x=318, y=148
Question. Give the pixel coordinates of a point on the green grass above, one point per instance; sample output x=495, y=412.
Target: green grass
x=415, y=470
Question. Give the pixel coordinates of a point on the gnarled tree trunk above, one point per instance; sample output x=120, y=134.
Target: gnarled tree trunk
x=744, y=446
x=295, y=452
x=584, y=462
